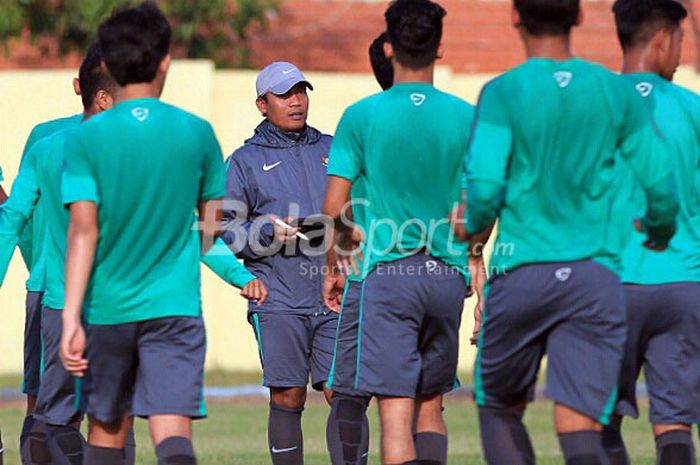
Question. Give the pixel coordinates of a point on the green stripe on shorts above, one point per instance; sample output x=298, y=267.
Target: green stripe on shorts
x=331, y=374
x=479, y=394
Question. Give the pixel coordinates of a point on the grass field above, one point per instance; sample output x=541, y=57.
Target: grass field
x=235, y=433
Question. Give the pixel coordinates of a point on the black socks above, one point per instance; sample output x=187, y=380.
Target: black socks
x=675, y=448
x=431, y=448
x=504, y=437
x=583, y=448
x=347, y=433
x=95, y=455
x=285, y=436
x=176, y=451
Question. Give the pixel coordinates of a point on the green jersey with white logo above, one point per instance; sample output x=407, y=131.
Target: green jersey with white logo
x=542, y=161
x=146, y=165
x=403, y=149
x=677, y=113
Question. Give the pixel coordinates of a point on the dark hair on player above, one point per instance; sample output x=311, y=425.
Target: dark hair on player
x=93, y=77
x=548, y=17
x=414, y=29
x=638, y=20
x=134, y=42
x=381, y=66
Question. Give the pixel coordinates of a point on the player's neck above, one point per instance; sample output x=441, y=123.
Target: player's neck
x=553, y=47
x=406, y=75
x=138, y=91
x=638, y=61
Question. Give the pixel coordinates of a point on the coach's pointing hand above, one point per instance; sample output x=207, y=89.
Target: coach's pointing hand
x=73, y=343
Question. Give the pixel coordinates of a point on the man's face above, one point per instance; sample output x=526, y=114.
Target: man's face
x=672, y=58
x=289, y=111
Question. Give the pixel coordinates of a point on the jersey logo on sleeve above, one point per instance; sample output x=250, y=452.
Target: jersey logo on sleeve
x=644, y=88
x=417, y=99
x=140, y=113
x=563, y=78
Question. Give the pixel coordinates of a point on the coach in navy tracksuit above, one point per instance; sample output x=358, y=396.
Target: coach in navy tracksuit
x=280, y=173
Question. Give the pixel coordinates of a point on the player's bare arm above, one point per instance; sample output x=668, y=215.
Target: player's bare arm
x=83, y=233
x=341, y=240
x=477, y=271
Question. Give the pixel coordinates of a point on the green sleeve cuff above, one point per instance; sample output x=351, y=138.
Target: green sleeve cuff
x=222, y=261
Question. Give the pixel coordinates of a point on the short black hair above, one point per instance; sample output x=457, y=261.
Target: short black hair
x=134, y=42
x=414, y=29
x=381, y=65
x=93, y=77
x=638, y=20
x=548, y=17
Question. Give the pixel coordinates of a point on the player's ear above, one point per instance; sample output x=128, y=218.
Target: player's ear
x=261, y=103
x=104, y=100
x=388, y=50
x=76, y=86
x=440, y=51
x=660, y=42
x=581, y=16
x=515, y=17
x=165, y=64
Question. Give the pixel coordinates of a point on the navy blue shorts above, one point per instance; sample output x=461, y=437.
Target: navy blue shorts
x=294, y=347
x=154, y=367
x=663, y=338
x=59, y=401
x=32, y=344
x=398, y=334
x=574, y=313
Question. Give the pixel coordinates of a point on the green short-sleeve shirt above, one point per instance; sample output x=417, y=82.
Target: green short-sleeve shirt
x=542, y=161
x=677, y=113
x=146, y=165
x=33, y=236
x=403, y=149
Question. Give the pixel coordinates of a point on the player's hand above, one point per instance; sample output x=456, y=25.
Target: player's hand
x=333, y=286
x=282, y=234
x=73, y=342
x=477, y=271
x=477, y=324
x=649, y=244
x=349, y=252
x=255, y=290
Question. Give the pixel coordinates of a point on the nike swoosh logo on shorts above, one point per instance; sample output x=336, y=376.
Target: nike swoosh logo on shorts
x=267, y=167
x=279, y=451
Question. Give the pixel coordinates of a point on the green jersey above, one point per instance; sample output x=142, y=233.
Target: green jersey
x=542, y=161
x=146, y=165
x=41, y=181
x=677, y=113
x=403, y=150
x=31, y=243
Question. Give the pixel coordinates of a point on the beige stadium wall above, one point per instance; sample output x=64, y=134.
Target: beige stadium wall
x=226, y=99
